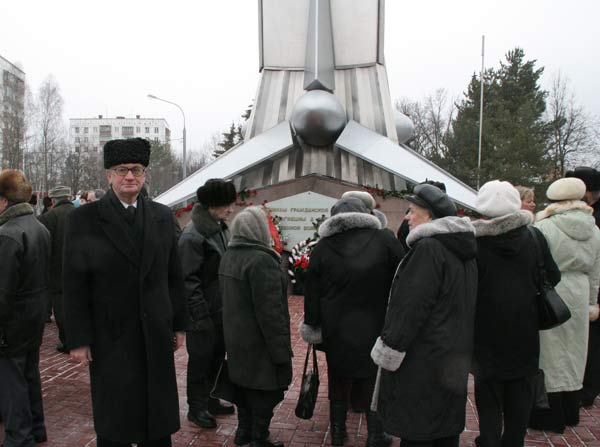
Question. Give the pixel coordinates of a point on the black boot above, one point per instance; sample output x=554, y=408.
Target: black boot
x=202, y=418
x=261, y=419
x=376, y=437
x=243, y=434
x=337, y=420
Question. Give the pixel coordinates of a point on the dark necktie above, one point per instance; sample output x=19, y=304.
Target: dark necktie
x=131, y=214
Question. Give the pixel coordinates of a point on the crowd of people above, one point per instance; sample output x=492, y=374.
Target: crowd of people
x=403, y=320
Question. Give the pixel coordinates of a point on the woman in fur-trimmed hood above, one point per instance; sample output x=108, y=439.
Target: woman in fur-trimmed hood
x=426, y=344
x=350, y=272
x=507, y=347
x=574, y=241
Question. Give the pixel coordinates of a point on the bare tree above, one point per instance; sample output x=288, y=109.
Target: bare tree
x=573, y=134
x=432, y=118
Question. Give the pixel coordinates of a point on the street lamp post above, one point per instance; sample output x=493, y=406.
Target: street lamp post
x=184, y=136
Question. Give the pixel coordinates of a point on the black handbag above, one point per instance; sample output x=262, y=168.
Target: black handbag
x=552, y=310
x=309, y=388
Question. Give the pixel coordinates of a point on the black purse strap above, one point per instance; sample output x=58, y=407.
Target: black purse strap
x=315, y=363
x=539, y=257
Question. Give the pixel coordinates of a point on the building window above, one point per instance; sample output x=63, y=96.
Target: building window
x=116, y=130
x=127, y=131
x=95, y=148
x=77, y=140
x=95, y=130
x=147, y=130
x=76, y=148
x=85, y=129
x=156, y=130
x=156, y=140
x=85, y=140
x=137, y=129
x=77, y=130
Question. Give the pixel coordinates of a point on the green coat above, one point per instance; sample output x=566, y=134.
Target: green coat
x=256, y=319
x=574, y=242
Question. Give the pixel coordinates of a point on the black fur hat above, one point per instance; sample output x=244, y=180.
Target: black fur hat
x=216, y=192
x=590, y=177
x=132, y=150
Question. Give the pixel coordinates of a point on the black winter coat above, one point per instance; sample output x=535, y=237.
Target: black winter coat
x=25, y=253
x=201, y=247
x=126, y=306
x=507, y=344
x=54, y=220
x=430, y=319
x=347, y=288
x=256, y=320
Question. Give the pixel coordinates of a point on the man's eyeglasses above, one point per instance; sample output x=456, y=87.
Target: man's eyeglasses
x=122, y=171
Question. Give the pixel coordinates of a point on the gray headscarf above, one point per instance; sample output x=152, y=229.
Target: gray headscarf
x=252, y=224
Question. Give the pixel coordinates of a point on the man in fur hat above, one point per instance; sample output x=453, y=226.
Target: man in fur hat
x=202, y=245
x=125, y=311
x=25, y=249
x=54, y=220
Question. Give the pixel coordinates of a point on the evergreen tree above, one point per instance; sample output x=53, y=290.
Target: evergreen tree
x=230, y=139
x=514, y=132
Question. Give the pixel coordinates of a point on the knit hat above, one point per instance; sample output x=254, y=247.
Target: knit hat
x=590, y=177
x=216, y=192
x=252, y=224
x=568, y=188
x=497, y=198
x=349, y=205
x=367, y=198
x=433, y=199
x=59, y=191
x=132, y=150
x=14, y=187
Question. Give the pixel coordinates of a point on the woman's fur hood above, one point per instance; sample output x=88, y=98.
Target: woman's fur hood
x=563, y=207
x=444, y=225
x=348, y=221
x=502, y=224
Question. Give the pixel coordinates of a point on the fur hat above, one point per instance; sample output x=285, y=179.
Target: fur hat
x=367, y=198
x=59, y=191
x=14, y=187
x=434, y=199
x=252, y=224
x=497, y=198
x=132, y=150
x=349, y=204
x=568, y=188
x=590, y=177
x=216, y=192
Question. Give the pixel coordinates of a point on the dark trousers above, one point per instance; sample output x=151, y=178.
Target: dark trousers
x=563, y=411
x=451, y=441
x=162, y=442
x=591, y=380
x=356, y=392
x=59, y=315
x=206, y=349
x=21, y=399
x=509, y=402
x=255, y=410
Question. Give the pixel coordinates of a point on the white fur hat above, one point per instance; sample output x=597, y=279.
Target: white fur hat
x=366, y=198
x=497, y=198
x=570, y=188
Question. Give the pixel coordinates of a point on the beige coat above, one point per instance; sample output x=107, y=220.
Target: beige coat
x=574, y=242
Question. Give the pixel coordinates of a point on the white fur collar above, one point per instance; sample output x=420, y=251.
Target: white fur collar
x=561, y=207
x=502, y=224
x=444, y=225
x=348, y=221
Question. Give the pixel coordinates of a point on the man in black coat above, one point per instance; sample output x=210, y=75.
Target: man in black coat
x=54, y=220
x=125, y=312
x=201, y=246
x=507, y=345
x=591, y=380
x=25, y=251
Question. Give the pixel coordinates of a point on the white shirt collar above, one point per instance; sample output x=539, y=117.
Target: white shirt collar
x=127, y=205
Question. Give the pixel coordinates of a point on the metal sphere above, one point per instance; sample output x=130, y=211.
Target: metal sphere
x=405, y=129
x=318, y=117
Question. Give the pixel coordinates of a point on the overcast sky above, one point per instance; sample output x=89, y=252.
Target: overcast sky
x=108, y=55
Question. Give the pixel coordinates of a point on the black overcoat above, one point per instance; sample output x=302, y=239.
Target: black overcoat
x=126, y=306
x=256, y=319
x=431, y=318
x=349, y=277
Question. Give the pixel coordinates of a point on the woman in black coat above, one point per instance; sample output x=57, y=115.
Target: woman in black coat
x=426, y=344
x=256, y=324
x=349, y=275
x=507, y=342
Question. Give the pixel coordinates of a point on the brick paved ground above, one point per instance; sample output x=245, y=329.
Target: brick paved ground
x=69, y=417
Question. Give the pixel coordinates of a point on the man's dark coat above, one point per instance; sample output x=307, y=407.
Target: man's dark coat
x=126, y=305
